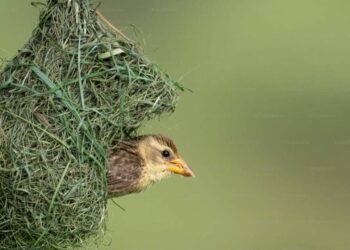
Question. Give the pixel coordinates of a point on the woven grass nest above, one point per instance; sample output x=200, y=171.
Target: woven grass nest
x=73, y=89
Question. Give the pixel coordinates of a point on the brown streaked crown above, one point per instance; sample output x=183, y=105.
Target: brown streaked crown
x=165, y=141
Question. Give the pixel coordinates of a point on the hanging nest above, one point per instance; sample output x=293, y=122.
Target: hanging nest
x=74, y=88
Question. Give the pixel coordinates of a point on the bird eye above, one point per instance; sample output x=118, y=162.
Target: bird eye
x=165, y=153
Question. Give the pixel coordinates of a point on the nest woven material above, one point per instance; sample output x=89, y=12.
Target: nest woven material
x=74, y=88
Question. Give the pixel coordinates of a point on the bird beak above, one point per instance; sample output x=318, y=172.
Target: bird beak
x=179, y=166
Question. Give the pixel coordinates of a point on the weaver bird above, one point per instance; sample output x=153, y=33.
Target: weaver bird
x=135, y=164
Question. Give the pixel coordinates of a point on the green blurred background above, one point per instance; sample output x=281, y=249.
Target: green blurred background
x=267, y=129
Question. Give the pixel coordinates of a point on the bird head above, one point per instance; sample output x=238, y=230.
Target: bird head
x=162, y=158
x=134, y=164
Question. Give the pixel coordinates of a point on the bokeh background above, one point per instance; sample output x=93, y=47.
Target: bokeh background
x=266, y=129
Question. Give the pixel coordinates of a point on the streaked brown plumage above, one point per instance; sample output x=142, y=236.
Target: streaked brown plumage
x=135, y=164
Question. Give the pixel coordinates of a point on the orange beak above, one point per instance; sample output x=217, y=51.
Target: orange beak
x=179, y=166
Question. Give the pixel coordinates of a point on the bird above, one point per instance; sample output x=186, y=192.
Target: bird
x=134, y=164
